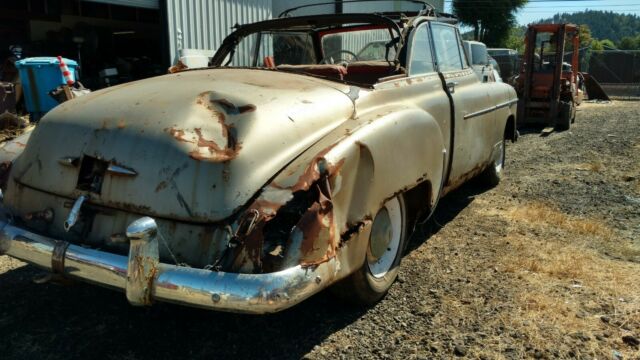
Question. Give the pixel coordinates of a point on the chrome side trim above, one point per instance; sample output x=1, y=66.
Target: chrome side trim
x=507, y=103
x=246, y=293
x=69, y=161
x=480, y=112
x=490, y=109
x=120, y=170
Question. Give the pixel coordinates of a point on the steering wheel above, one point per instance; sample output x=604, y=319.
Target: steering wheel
x=329, y=59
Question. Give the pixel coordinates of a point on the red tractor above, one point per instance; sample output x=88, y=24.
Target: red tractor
x=549, y=89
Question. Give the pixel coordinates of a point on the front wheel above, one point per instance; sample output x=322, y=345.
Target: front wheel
x=387, y=242
x=493, y=173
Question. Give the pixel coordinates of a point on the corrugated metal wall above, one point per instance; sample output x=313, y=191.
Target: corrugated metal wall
x=203, y=24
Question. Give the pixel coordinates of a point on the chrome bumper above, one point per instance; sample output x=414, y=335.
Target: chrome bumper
x=144, y=279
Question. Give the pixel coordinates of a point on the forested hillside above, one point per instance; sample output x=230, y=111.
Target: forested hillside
x=603, y=24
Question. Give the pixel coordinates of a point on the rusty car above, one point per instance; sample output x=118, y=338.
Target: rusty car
x=285, y=167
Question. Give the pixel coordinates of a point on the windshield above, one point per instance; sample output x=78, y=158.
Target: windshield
x=275, y=48
x=359, y=45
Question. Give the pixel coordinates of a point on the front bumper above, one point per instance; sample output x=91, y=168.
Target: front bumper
x=144, y=279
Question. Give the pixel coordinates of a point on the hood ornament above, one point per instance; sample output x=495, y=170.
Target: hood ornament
x=74, y=214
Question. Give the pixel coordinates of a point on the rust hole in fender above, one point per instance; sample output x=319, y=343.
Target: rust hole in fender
x=306, y=208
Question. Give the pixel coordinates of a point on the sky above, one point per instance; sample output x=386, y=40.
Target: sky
x=540, y=9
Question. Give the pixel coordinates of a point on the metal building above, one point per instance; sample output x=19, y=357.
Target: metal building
x=203, y=24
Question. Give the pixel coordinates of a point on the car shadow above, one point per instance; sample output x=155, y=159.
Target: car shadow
x=447, y=209
x=84, y=321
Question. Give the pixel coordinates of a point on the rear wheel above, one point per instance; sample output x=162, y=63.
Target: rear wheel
x=493, y=173
x=386, y=246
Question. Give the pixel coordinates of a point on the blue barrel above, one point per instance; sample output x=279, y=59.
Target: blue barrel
x=40, y=75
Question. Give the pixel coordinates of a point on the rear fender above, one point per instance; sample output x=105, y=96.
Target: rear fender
x=392, y=154
x=329, y=195
x=9, y=152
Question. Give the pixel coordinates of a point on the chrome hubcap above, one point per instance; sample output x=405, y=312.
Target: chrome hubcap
x=381, y=232
x=500, y=161
x=384, y=241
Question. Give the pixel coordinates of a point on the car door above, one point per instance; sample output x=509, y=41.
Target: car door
x=425, y=80
x=473, y=110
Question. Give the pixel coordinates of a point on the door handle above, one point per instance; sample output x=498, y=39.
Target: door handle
x=451, y=86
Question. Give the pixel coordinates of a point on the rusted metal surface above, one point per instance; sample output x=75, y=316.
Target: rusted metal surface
x=143, y=263
x=304, y=209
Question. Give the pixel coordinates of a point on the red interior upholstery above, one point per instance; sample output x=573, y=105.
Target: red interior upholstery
x=329, y=70
x=368, y=72
x=363, y=72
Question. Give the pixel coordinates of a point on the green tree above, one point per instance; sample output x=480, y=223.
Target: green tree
x=491, y=21
x=629, y=43
x=603, y=24
x=516, y=39
x=605, y=44
x=584, y=32
x=596, y=45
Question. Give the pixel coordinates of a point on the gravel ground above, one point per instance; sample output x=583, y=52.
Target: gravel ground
x=546, y=265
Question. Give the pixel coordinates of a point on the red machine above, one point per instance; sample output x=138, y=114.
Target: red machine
x=549, y=89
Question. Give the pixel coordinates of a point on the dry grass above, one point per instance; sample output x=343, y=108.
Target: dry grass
x=566, y=283
x=547, y=215
x=595, y=166
x=587, y=233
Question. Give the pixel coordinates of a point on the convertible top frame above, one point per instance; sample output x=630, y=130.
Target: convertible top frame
x=301, y=23
x=426, y=6
x=326, y=22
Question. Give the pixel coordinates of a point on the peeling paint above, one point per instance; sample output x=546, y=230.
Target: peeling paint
x=208, y=149
x=318, y=244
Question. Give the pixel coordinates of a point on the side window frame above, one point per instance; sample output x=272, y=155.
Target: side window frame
x=466, y=58
x=427, y=25
x=463, y=58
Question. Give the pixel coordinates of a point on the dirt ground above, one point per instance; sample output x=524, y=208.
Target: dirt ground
x=546, y=265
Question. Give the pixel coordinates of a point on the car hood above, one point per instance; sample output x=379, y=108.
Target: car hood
x=194, y=146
